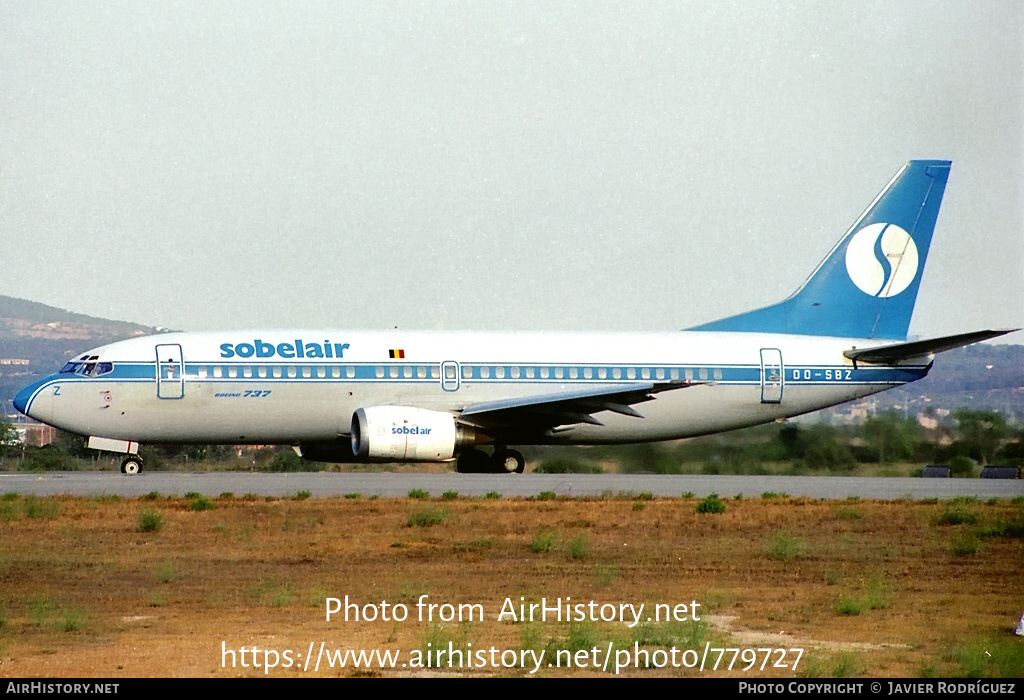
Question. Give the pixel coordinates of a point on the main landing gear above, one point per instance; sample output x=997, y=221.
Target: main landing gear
x=503, y=461
x=131, y=465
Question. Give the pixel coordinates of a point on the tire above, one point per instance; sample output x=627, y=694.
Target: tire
x=131, y=466
x=508, y=462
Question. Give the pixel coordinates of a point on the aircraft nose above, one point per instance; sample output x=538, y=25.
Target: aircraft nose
x=23, y=398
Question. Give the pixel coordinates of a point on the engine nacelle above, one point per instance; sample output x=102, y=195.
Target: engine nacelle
x=407, y=434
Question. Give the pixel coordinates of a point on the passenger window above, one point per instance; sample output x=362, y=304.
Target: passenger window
x=630, y=373
x=218, y=372
x=616, y=373
x=674, y=373
x=202, y=372
x=407, y=372
x=421, y=372
x=379, y=372
x=321, y=372
x=689, y=375
x=499, y=372
x=247, y=372
x=292, y=372
x=485, y=372
x=277, y=372
x=262, y=370
x=559, y=372
x=393, y=372
x=529, y=372
x=232, y=372
x=602, y=373
x=336, y=372
x=467, y=372
x=718, y=374
x=350, y=372
x=659, y=373
x=702, y=373
x=435, y=372
x=307, y=372
x=545, y=372
x=645, y=373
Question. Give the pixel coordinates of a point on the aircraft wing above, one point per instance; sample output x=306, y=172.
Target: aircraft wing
x=891, y=354
x=549, y=411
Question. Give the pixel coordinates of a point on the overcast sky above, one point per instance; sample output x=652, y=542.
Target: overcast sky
x=493, y=165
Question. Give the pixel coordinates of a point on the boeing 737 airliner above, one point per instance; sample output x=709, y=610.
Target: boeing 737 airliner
x=350, y=396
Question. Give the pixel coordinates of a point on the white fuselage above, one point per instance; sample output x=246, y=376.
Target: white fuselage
x=294, y=386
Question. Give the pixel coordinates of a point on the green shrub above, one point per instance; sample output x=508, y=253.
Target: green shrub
x=711, y=504
x=150, y=521
x=419, y=493
x=786, y=547
x=578, y=548
x=955, y=515
x=201, y=503
x=492, y=495
x=847, y=605
x=961, y=465
x=285, y=460
x=965, y=544
x=543, y=542
x=40, y=508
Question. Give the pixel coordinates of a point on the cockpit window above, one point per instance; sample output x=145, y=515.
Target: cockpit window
x=87, y=369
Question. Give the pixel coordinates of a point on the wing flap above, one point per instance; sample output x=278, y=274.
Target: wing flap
x=568, y=407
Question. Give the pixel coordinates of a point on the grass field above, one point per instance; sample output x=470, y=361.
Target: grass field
x=162, y=586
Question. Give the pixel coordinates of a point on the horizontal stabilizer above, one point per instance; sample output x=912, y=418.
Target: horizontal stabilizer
x=891, y=354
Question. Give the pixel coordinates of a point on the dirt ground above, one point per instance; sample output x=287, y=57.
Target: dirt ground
x=112, y=587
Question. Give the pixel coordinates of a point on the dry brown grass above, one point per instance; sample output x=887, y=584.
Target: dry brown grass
x=85, y=592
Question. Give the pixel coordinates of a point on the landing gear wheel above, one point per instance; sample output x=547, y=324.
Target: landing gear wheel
x=506, y=461
x=473, y=462
x=131, y=465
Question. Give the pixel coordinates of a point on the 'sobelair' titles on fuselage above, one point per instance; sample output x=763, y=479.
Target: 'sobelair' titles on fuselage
x=297, y=349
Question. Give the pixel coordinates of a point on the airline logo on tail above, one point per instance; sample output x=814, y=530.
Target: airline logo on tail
x=882, y=260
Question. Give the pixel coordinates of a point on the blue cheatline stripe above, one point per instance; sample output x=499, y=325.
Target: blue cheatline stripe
x=809, y=375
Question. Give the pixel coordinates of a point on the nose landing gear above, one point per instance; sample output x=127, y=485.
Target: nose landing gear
x=131, y=465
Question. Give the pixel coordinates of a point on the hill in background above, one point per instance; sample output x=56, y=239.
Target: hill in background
x=36, y=340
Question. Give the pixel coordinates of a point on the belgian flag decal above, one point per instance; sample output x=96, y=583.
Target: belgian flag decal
x=397, y=354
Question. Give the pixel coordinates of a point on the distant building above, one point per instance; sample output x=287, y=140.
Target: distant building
x=35, y=434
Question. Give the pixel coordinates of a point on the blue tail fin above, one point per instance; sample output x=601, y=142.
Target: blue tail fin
x=867, y=286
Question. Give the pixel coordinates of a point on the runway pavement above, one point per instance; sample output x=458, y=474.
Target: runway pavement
x=329, y=484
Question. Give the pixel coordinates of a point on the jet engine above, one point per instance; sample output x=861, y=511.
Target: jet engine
x=404, y=433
